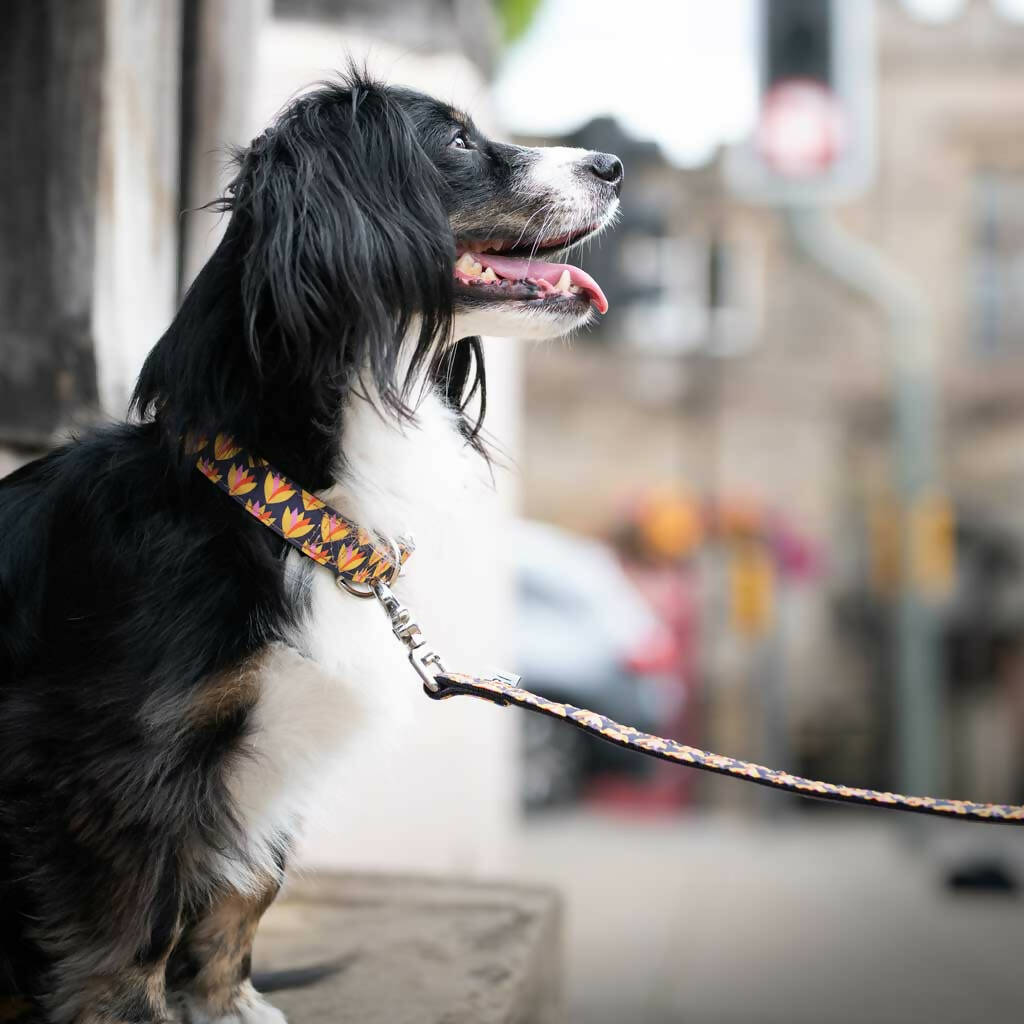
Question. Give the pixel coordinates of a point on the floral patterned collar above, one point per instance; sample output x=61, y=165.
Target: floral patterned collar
x=356, y=555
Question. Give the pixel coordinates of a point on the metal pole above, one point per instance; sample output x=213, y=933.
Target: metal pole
x=821, y=239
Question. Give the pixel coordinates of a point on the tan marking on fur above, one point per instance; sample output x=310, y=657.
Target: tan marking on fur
x=460, y=118
x=113, y=997
x=220, y=941
x=225, y=694
x=116, y=999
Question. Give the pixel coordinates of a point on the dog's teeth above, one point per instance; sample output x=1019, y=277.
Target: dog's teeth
x=564, y=282
x=576, y=289
x=468, y=266
x=489, y=276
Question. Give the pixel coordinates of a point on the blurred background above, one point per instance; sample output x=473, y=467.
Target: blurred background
x=771, y=505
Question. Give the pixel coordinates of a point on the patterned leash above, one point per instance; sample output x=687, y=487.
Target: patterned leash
x=365, y=565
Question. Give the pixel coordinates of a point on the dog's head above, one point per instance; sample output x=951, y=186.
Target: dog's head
x=371, y=229
x=383, y=195
x=513, y=212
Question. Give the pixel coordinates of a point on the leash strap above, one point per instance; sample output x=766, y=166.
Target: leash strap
x=365, y=567
x=356, y=556
x=503, y=690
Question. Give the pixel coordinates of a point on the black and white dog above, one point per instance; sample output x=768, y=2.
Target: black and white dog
x=173, y=679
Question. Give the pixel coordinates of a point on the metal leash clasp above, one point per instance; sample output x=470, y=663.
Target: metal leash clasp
x=423, y=658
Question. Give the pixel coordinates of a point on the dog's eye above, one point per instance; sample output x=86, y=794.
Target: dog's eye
x=460, y=140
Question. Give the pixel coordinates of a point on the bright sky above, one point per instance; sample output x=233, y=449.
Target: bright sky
x=677, y=71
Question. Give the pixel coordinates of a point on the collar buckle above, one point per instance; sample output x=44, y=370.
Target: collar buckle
x=423, y=658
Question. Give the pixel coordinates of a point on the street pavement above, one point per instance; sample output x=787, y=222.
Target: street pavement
x=802, y=919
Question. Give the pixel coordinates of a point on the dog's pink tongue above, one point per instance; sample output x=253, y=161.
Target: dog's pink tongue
x=514, y=268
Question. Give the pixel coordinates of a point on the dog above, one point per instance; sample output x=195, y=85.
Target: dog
x=173, y=677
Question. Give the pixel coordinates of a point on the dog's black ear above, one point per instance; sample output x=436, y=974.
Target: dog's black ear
x=348, y=243
x=338, y=247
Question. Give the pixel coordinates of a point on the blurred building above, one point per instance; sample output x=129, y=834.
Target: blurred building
x=736, y=371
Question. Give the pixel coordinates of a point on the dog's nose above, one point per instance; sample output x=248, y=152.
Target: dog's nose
x=606, y=167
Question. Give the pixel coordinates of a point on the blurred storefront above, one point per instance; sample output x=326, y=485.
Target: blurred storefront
x=732, y=368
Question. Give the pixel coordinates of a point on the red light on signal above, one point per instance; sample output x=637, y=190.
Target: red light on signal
x=802, y=132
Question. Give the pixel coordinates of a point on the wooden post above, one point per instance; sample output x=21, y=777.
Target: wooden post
x=221, y=43
x=51, y=61
x=94, y=175
x=135, y=272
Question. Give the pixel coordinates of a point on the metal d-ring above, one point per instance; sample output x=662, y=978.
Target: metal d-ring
x=396, y=571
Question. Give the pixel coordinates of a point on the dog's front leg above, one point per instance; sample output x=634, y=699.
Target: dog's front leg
x=102, y=980
x=210, y=971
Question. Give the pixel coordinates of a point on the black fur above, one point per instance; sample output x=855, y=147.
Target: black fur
x=127, y=582
x=129, y=586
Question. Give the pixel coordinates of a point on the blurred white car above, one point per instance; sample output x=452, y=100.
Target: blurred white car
x=585, y=636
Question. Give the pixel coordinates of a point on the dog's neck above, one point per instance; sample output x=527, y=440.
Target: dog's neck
x=321, y=454
x=418, y=479
x=400, y=477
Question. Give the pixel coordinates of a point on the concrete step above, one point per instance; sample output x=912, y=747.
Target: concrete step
x=413, y=951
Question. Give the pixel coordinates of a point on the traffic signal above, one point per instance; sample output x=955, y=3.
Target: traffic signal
x=814, y=136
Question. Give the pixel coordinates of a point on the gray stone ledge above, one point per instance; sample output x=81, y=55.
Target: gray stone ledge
x=415, y=951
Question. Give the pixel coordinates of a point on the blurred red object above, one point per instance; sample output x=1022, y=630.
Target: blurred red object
x=660, y=652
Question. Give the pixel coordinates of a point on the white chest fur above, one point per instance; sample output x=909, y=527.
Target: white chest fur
x=343, y=680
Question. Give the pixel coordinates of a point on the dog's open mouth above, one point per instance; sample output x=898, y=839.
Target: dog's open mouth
x=514, y=271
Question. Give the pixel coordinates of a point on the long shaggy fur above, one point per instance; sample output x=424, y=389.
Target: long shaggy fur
x=140, y=612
